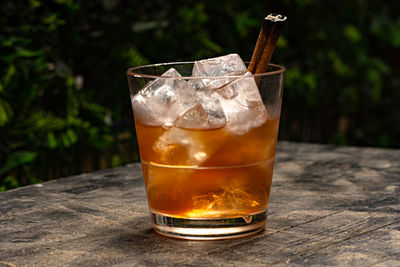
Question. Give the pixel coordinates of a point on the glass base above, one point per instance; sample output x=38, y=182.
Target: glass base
x=208, y=229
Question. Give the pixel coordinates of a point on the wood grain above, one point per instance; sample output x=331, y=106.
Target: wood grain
x=329, y=206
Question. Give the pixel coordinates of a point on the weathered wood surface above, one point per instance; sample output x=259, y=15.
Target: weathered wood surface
x=329, y=206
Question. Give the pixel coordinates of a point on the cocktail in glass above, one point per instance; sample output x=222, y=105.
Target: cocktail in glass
x=207, y=149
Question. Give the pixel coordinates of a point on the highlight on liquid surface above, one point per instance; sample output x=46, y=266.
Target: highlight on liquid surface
x=207, y=173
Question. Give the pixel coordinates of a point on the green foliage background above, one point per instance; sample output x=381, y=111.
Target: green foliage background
x=64, y=101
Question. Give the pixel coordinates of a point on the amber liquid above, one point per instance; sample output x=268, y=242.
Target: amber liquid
x=191, y=173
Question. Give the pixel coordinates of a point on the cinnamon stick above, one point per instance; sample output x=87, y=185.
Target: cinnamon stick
x=266, y=43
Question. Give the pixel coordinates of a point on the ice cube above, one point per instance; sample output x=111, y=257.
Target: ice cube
x=183, y=144
x=229, y=65
x=219, y=66
x=213, y=108
x=242, y=104
x=163, y=100
x=194, y=118
x=207, y=114
x=174, y=146
x=228, y=92
x=225, y=200
x=186, y=147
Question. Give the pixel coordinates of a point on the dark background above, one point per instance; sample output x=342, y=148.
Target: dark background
x=64, y=99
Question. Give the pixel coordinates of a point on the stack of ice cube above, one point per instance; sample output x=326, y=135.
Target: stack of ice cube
x=221, y=92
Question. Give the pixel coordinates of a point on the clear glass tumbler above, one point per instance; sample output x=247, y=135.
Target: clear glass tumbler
x=207, y=168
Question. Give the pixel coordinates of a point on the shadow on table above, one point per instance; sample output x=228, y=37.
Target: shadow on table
x=145, y=246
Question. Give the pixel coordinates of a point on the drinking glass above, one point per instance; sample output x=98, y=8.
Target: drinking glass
x=209, y=176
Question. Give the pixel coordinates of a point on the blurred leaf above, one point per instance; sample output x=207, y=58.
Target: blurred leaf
x=50, y=19
x=22, y=52
x=193, y=16
x=282, y=42
x=143, y=26
x=72, y=100
x=42, y=122
x=212, y=48
x=12, y=40
x=17, y=159
x=10, y=72
x=3, y=115
x=9, y=183
x=35, y=3
x=292, y=75
x=375, y=79
x=388, y=30
x=244, y=22
x=6, y=112
x=133, y=56
x=51, y=140
x=53, y=21
x=65, y=2
x=72, y=136
x=352, y=33
x=338, y=65
x=115, y=161
x=65, y=140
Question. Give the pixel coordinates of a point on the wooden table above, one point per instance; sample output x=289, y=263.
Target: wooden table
x=329, y=206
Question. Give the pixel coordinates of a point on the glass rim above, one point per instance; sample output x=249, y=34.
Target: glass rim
x=133, y=72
